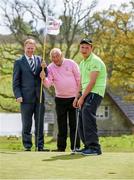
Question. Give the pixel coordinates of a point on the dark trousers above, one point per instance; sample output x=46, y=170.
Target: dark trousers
x=28, y=110
x=65, y=110
x=87, y=121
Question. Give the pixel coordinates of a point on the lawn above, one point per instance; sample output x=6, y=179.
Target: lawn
x=51, y=165
x=124, y=143
x=116, y=162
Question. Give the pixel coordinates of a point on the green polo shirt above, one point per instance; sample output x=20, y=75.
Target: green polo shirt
x=93, y=63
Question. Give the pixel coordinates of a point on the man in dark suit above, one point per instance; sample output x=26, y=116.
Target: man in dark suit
x=26, y=88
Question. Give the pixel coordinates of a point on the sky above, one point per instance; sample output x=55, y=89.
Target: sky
x=102, y=4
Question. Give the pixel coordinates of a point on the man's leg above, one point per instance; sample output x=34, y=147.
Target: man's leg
x=72, y=125
x=80, y=127
x=61, y=111
x=89, y=120
x=26, y=114
x=39, y=125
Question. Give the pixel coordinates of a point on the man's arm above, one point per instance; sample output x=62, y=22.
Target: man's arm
x=93, y=77
x=77, y=96
x=16, y=82
x=76, y=72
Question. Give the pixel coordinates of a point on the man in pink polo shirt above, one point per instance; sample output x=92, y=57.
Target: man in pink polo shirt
x=64, y=75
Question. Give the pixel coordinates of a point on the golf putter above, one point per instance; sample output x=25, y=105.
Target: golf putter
x=76, y=132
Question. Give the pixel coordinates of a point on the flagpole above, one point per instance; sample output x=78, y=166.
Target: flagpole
x=41, y=87
x=43, y=60
x=44, y=49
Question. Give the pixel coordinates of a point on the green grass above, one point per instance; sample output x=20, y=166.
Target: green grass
x=51, y=165
x=122, y=143
x=116, y=162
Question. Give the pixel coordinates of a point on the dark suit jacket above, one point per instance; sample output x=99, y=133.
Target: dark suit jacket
x=25, y=83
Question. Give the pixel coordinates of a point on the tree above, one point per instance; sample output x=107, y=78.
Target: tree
x=113, y=34
x=8, y=53
x=14, y=15
x=73, y=18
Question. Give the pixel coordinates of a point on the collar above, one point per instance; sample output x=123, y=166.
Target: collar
x=29, y=57
x=88, y=58
x=60, y=65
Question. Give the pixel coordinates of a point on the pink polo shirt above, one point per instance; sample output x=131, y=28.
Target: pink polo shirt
x=64, y=78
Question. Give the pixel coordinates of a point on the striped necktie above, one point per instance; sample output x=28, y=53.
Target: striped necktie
x=32, y=65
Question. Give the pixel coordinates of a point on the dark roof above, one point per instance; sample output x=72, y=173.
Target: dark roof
x=127, y=108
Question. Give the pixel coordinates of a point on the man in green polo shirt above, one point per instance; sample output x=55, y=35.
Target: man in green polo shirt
x=93, y=84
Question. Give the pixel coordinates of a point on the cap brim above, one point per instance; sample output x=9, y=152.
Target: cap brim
x=85, y=42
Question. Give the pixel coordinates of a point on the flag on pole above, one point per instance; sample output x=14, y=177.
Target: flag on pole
x=53, y=25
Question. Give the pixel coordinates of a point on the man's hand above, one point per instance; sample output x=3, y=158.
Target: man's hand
x=75, y=103
x=43, y=64
x=42, y=75
x=19, y=100
x=80, y=102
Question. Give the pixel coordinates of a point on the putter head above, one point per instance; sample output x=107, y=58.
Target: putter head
x=73, y=152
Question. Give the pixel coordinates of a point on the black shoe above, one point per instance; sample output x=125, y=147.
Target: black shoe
x=58, y=150
x=27, y=149
x=44, y=150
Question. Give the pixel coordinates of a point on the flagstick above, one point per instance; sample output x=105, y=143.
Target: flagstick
x=41, y=87
x=43, y=60
x=44, y=50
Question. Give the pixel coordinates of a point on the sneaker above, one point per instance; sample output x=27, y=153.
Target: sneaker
x=91, y=152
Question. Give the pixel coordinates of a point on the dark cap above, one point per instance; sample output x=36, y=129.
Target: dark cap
x=86, y=41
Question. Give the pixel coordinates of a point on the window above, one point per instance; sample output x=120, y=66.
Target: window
x=103, y=112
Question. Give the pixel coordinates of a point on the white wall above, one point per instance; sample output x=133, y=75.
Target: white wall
x=10, y=124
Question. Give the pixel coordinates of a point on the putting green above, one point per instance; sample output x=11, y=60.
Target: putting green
x=52, y=165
